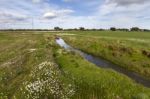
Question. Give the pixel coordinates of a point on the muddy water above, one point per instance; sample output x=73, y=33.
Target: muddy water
x=105, y=63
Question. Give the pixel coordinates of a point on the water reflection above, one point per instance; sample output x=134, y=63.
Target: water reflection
x=62, y=43
x=105, y=63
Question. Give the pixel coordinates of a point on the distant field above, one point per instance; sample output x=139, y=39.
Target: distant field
x=119, y=34
x=33, y=66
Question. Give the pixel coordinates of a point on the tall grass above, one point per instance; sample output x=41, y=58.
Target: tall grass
x=95, y=83
x=30, y=63
x=127, y=54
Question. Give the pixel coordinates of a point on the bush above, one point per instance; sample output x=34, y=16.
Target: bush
x=135, y=29
x=113, y=29
x=82, y=28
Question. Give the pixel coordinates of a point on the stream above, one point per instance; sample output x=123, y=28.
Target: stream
x=105, y=63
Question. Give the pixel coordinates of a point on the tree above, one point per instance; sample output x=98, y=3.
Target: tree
x=135, y=29
x=146, y=30
x=123, y=29
x=82, y=28
x=101, y=29
x=113, y=29
x=57, y=28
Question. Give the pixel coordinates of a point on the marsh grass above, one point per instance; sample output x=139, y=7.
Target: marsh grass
x=16, y=61
x=95, y=83
x=27, y=68
x=29, y=58
x=124, y=53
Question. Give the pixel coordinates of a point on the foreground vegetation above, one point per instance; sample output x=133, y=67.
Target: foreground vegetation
x=94, y=83
x=27, y=69
x=33, y=66
x=130, y=52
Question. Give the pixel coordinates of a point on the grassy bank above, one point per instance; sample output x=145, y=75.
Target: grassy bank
x=95, y=83
x=130, y=53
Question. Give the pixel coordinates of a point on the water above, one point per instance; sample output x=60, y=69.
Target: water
x=105, y=63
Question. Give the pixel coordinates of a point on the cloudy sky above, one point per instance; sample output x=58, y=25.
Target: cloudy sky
x=47, y=14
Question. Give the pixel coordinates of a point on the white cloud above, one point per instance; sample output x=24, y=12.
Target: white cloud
x=12, y=16
x=113, y=6
x=36, y=1
x=65, y=11
x=125, y=13
x=57, y=13
x=46, y=14
x=49, y=15
x=126, y=2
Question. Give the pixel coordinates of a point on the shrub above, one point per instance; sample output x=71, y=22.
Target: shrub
x=113, y=29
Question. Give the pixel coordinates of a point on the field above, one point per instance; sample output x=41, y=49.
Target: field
x=33, y=66
x=129, y=50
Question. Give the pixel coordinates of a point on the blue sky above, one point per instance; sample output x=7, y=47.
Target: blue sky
x=47, y=14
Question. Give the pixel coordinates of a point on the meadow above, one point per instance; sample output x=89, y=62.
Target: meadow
x=33, y=66
x=130, y=50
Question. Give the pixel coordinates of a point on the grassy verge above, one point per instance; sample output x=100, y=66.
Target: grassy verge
x=130, y=55
x=28, y=71
x=94, y=83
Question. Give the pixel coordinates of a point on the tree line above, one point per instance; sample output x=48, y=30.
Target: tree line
x=80, y=29
x=131, y=29
x=111, y=28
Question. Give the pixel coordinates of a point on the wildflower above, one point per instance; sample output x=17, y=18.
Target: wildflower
x=47, y=81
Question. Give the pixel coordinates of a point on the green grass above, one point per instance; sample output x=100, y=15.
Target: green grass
x=117, y=34
x=126, y=52
x=17, y=60
x=96, y=83
x=28, y=70
x=23, y=52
